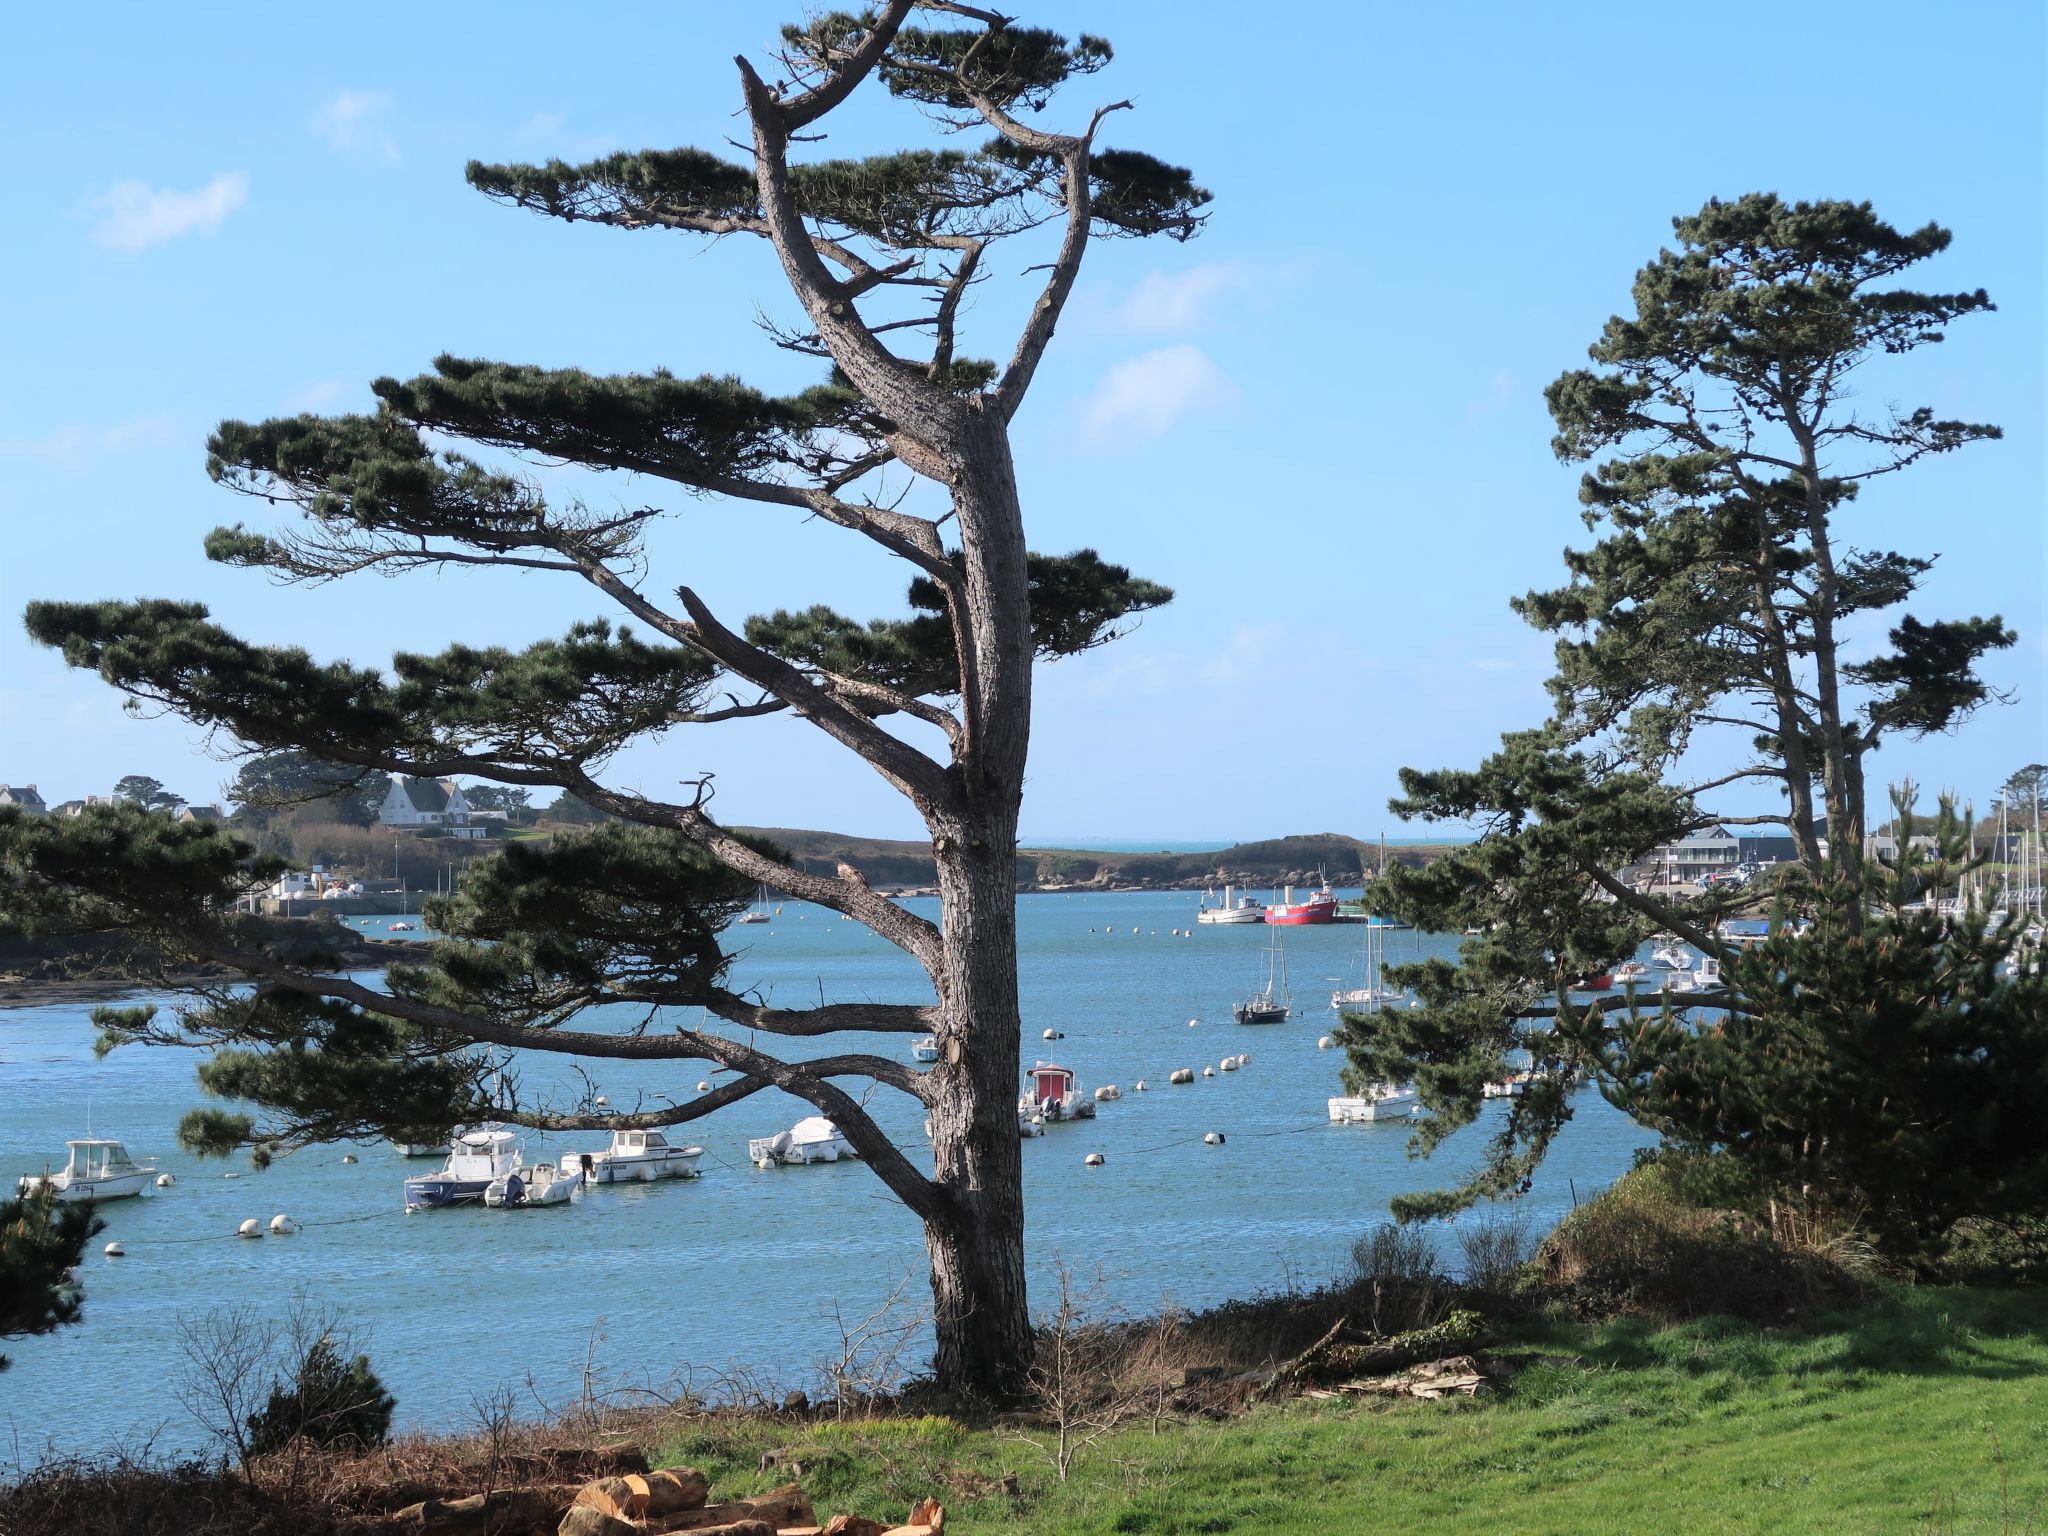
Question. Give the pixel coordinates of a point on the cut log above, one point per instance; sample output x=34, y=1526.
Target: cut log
x=583, y=1520
x=782, y=1506
x=623, y=1498
x=801, y=1530
x=675, y=1488
x=853, y=1525
x=515, y=1512
x=908, y=1530
x=928, y=1512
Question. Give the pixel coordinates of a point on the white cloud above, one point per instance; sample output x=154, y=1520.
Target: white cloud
x=1178, y=302
x=77, y=443
x=138, y=216
x=1146, y=395
x=316, y=396
x=355, y=122
x=1501, y=389
x=1244, y=655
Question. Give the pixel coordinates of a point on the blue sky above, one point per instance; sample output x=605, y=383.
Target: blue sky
x=1321, y=422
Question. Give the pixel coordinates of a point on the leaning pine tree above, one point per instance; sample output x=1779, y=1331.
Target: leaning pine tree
x=1888, y=1063
x=880, y=253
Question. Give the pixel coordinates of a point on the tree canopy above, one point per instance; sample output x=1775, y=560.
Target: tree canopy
x=41, y=1243
x=1729, y=451
x=880, y=253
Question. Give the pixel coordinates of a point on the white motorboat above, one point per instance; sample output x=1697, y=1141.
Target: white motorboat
x=1513, y=1086
x=1234, y=909
x=98, y=1169
x=925, y=1048
x=1708, y=977
x=526, y=1187
x=1053, y=1094
x=1629, y=972
x=813, y=1139
x=476, y=1160
x=423, y=1148
x=638, y=1157
x=1380, y=1101
x=1672, y=957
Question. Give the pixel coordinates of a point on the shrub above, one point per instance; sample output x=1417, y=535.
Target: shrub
x=1642, y=1247
x=1494, y=1248
x=327, y=1401
x=1393, y=1283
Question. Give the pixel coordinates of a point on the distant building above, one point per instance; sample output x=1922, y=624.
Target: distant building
x=1711, y=851
x=419, y=804
x=24, y=798
x=199, y=813
x=1883, y=845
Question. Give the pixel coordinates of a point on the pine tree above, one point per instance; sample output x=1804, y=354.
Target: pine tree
x=41, y=1242
x=880, y=253
x=1709, y=611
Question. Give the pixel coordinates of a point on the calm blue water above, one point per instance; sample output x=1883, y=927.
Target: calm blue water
x=743, y=1264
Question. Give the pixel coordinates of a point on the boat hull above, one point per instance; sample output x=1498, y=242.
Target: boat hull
x=97, y=1191
x=641, y=1170
x=1259, y=1013
x=1355, y=1109
x=1302, y=914
x=438, y=1194
x=1231, y=915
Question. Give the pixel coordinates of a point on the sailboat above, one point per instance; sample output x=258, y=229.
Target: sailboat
x=1375, y=994
x=760, y=912
x=1274, y=1004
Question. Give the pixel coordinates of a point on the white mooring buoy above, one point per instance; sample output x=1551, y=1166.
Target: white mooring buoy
x=348, y=1157
x=1093, y=1159
x=1181, y=1075
x=165, y=1181
x=1213, y=1139
x=1325, y=1043
x=250, y=1228
x=1208, y=1071
x=705, y=1086
x=1228, y=1063
x=283, y=1225
x=1138, y=1086
x=601, y=1099
x=113, y=1250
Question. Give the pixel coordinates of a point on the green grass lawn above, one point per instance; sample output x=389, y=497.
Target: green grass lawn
x=1927, y=1411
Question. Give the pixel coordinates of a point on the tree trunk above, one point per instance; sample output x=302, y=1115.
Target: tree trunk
x=976, y=1237
x=981, y=1316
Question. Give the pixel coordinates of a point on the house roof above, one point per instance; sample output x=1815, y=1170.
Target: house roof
x=427, y=794
x=19, y=794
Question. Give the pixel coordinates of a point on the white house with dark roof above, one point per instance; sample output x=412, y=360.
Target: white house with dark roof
x=415, y=805
x=24, y=798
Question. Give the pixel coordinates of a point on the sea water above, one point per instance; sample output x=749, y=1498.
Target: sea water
x=661, y=1284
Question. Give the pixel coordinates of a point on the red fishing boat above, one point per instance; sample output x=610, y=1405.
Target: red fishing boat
x=1319, y=907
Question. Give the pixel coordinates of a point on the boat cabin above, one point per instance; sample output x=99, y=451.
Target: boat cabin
x=1050, y=1084
x=639, y=1141
x=93, y=1160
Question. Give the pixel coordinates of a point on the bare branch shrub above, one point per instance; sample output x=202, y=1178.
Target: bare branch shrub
x=875, y=1351
x=1494, y=1247
x=1394, y=1278
x=229, y=1361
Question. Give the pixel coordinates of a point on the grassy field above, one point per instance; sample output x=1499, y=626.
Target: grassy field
x=1927, y=1411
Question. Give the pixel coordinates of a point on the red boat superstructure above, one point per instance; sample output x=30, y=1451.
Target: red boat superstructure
x=1320, y=907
